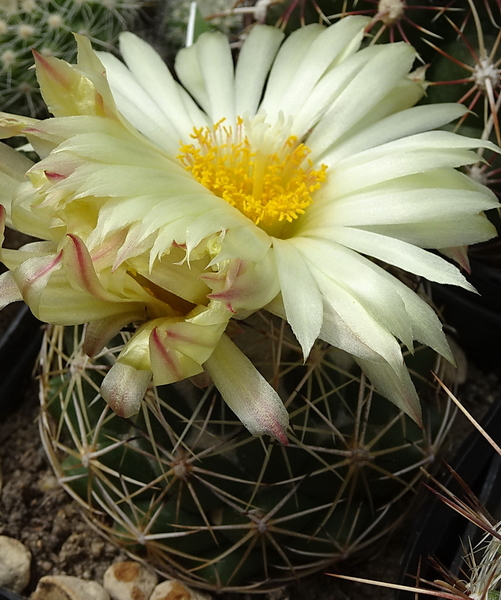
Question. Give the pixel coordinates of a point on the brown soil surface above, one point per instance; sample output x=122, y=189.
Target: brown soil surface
x=36, y=511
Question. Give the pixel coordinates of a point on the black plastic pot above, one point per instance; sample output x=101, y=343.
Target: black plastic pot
x=7, y=595
x=19, y=347
x=476, y=317
x=439, y=532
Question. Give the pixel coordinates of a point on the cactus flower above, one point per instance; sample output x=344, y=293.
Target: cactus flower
x=278, y=180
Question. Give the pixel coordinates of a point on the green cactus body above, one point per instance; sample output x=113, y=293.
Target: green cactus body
x=184, y=484
x=46, y=26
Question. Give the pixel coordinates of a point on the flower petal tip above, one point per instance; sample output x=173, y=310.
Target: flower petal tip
x=124, y=388
x=268, y=416
x=280, y=434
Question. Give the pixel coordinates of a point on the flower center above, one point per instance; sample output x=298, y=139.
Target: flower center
x=270, y=181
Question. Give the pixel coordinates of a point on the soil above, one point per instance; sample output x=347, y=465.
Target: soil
x=34, y=510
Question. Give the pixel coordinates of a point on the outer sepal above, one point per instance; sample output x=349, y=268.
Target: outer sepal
x=168, y=349
x=9, y=292
x=65, y=91
x=70, y=90
x=124, y=388
x=246, y=392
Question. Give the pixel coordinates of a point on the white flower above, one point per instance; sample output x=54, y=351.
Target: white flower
x=283, y=177
x=319, y=145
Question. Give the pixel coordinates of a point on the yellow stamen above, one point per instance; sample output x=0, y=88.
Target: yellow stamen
x=269, y=188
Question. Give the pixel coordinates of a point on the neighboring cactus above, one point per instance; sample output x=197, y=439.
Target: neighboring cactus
x=46, y=26
x=184, y=483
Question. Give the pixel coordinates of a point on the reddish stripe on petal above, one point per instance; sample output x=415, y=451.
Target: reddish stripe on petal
x=50, y=70
x=52, y=176
x=165, y=354
x=83, y=272
x=225, y=298
x=47, y=269
x=110, y=245
x=82, y=262
x=31, y=281
x=188, y=339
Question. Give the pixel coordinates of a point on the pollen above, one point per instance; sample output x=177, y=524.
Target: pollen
x=271, y=185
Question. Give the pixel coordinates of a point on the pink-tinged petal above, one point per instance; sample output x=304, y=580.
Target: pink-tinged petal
x=9, y=292
x=80, y=269
x=458, y=254
x=53, y=169
x=62, y=304
x=104, y=254
x=88, y=63
x=133, y=245
x=54, y=177
x=179, y=347
x=124, y=388
x=33, y=275
x=66, y=91
x=183, y=337
x=99, y=333
x=167, y=364
x=244, y=284
x=223, y=282
x=246, y=392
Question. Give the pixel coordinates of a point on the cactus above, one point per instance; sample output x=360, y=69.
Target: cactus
x=185, y=485
x=46, y=26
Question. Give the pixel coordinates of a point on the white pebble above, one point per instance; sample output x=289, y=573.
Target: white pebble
x=175, y=590
x=64, y=587
x=15, y=562
x=129, y=581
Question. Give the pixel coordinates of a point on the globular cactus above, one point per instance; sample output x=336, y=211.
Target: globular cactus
x=186, y=486
x=46, y=26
